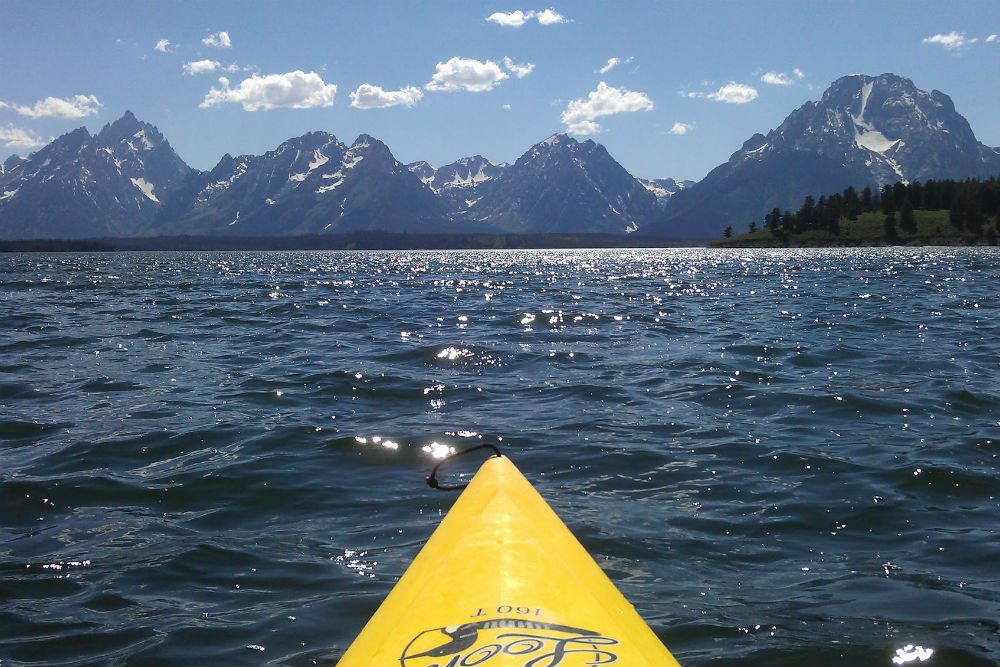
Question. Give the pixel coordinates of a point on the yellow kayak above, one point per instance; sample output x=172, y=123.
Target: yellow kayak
x=503, y=583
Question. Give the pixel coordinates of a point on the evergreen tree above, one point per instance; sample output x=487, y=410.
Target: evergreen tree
x=956, y=214
x=907, y=221
x=973, y=217
x=866, y=199
x=728, y=233
x=889, y=229
x=753, y=226
x=886, y=199
x=773, y=219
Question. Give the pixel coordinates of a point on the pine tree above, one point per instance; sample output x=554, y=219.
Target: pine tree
x=889, y=229
x=907, y=221
x=866, y=199
x=728, y=233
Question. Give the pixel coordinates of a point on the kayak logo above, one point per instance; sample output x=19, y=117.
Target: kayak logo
x=509, y=642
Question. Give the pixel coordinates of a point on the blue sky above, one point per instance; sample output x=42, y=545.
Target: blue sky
x=691, y=82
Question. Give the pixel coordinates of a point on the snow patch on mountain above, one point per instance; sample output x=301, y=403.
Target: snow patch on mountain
x=352, y=157
x=318, y=161
x=331, y=187
x=146, y=188
x=146, y=143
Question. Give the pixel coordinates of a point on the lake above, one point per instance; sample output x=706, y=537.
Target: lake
x=778, y=456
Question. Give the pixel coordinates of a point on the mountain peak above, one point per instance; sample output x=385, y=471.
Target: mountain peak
x=365, y=140
x=129, y=129
x=558, y=139
x=864, y=131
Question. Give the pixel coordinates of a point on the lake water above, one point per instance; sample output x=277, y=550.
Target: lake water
x=779, y=457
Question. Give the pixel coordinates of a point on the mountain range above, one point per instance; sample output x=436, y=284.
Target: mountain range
x=127, y=180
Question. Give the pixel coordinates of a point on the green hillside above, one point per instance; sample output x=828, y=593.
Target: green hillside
x=933, y=213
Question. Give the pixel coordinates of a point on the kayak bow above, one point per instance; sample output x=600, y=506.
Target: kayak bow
x=502, y=582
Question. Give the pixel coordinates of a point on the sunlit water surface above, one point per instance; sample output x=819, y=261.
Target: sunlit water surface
x=781, y=458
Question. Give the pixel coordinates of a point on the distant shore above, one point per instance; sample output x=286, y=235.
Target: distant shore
x=930, y=228
x=354, y=241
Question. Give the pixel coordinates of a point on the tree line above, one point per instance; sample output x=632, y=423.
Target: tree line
x=970, y=205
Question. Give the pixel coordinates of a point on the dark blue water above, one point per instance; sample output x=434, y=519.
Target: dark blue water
x=781, y=458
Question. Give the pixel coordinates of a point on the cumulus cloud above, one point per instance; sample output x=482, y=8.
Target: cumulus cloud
x=164, y=46
x=369, y=96
x=799, y=74
x=201, y=67
x=611, y=64
x=518, y=18
x=19, y=139
x=292, y=90
x=520, y=71
x=680, y=129
x=76, y=106
x=514, y=19
x=550, y=17
x=604, y=101
x=218, y=40
x=952, y=41
x=731, y=93
x=466, y=74
x=777, y=79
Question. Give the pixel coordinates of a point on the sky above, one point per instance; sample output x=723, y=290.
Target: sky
x=672, y=89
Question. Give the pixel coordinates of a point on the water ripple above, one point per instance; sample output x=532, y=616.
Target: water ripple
x=778, y=456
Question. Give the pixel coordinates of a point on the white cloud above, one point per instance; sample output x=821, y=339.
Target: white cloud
x=506, y=107
x=611, y=64
x=466, y=74
x=218, y=40
x=292, y=90
x=991, y=39
x=18, y=139
x=604, y=101
x=518, y=18
x=731, y=93
x=550, y=17
x=799, y=74
x=680, y=129
x=952, y=41
x=163, y=46
x=520, y=71
x=77, y=106
x=201, y=67
x=369, y=96
x=777, y=79
x=514, y=19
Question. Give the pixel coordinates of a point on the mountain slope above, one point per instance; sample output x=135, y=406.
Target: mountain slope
x=311, y=184
x=84, y=186
x=664, y=188
x=864, y=131
x=561, y=185
x=458, y=184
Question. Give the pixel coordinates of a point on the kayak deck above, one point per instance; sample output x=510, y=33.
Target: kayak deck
x=502, y=582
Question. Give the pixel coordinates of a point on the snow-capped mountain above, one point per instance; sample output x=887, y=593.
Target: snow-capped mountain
x=664, y=188
x=458, y=183
x=561, y=185
x=80, y=185
x=126, y=180
x=423, y=170
x=311, y=184
x=863, y=131
x=887, y=127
